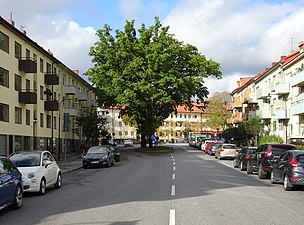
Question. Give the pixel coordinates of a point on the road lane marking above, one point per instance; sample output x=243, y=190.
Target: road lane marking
x=173, y=190
x=174, y=168
x=173, y=163
x=173, y=176
x=226, y=164
x=172, y=217
x=173, y=160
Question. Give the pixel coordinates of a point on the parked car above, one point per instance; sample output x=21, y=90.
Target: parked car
x=241, y=158
x=97, y=156
x=11, y=188
x=112, y=142
x=128, y=143
x=203, y=146
x=39, y=170
x=261, y=160
x=288, y=169
x=213, y=147
x=225, y=151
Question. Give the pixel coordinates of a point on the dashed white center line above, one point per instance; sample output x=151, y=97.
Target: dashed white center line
x=173, y=163
x=226, y=164
x=173, y=176
x=173, y=167
x=173, y=190
x=172, y=217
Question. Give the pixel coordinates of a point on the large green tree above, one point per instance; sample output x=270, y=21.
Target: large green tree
x=147, y=73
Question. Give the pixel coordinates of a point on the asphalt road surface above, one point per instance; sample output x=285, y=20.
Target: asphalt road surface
x=183, y=187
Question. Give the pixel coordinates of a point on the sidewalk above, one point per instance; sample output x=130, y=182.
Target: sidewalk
x=72, y=161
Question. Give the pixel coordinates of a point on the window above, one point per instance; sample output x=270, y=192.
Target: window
x=18, y=50
x=28, y=85
x=41, y=65
x=4, y=112
x=28, y=117
x=48, y=68
x=126, y=132
x=4, y=77
x=120, y=133
x=132, y=133
x=27, y=54
x=35, y=57
x=48, y=121
x=120, y=123
x=4, y=42
x=41, y=119
x=18, y=83
x=41, y=92
x=18, y=115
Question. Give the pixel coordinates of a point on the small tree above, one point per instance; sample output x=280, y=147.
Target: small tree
x=254, y=126
x=270, y=139
x=93, y=126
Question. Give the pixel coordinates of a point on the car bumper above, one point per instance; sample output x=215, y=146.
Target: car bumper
x=227, y=156
x=95, y=163
x=31, y=185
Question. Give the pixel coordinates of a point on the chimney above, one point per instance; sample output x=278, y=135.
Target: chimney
x=76, y=71
x=283, y=57
x=49, y=51
x=10, y=20
x=238, y=83
x=22, y=30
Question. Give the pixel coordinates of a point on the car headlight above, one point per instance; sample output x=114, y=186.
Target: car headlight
x=105, y=157
x=31, y=175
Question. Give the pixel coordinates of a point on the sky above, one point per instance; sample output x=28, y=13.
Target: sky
x=244, y=36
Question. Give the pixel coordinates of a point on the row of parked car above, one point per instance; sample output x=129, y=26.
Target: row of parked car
x=281, y=163
x=35, y=171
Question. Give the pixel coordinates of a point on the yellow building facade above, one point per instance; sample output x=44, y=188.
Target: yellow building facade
x=39, y=96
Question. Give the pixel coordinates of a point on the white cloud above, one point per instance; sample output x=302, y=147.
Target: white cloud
x=243, y=36
x=129, y=9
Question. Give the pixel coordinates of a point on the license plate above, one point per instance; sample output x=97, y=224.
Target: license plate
x=95, y=162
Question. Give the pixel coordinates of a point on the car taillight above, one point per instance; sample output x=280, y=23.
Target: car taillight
x=294, y=163
x=246, y=157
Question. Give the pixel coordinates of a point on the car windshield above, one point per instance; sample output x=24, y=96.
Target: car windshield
x=97, y=150
x=26, y=159
x=279, y=149
x=229, y=146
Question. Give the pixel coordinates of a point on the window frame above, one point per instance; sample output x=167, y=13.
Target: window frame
x=4, y=112
x=5, y=40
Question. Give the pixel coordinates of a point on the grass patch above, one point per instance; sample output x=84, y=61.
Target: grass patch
x=157, y=149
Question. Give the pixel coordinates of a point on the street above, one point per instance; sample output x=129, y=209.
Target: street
x=184, y=187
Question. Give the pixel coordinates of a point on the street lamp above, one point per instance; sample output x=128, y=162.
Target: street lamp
x=59, y=125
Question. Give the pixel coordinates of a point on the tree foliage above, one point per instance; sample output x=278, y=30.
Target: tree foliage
x=93, y=126
x=270, y=139
x=254, y=126
x=216, y=110
x=147, y=73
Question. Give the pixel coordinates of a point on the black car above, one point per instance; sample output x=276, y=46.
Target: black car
x=241, y=158
x=288, y=169
x=98, y=156
x=261, y=161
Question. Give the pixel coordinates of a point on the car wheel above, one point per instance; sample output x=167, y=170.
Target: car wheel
x=242, y=166
x=59, y=181
x=85, y=167
x=287, y=185
x=234, y=164
x=18, y=198
x=249, y=170
x=272, y=180
x=109, y=163
x=42, y=187
x=113, y=162
x=260, y=172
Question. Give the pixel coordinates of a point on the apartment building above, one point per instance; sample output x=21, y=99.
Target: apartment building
x=39, y=96
x=276, y=95
x=173, y=128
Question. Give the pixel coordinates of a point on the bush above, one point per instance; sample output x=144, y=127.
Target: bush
x=270, y=139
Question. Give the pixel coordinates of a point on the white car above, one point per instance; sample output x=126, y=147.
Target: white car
x=128, y=143
x=39, y=170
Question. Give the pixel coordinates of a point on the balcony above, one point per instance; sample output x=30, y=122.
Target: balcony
x=28, y=97
x=262, y=93
x=264, y=111
x=282, y=113
x=82, y=97
x=252, y=98
x=70, y=90
x=281, y=89
x=51, y=105
x=71, y=111
x=297, y=108
x=51, y=79
x=297, y=79
x=27, y=65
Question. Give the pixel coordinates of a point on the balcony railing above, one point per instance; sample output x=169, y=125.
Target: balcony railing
x=71, y=111
x=281, y=89
x=264, y=111
x=70, y=90
x=27, y=65
x=262, y=93
x=297, y=108
x=83, y=97
x=282, y=113
x=51, y=105
x=297, y=79
x=51, y=79
x=28, y=97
